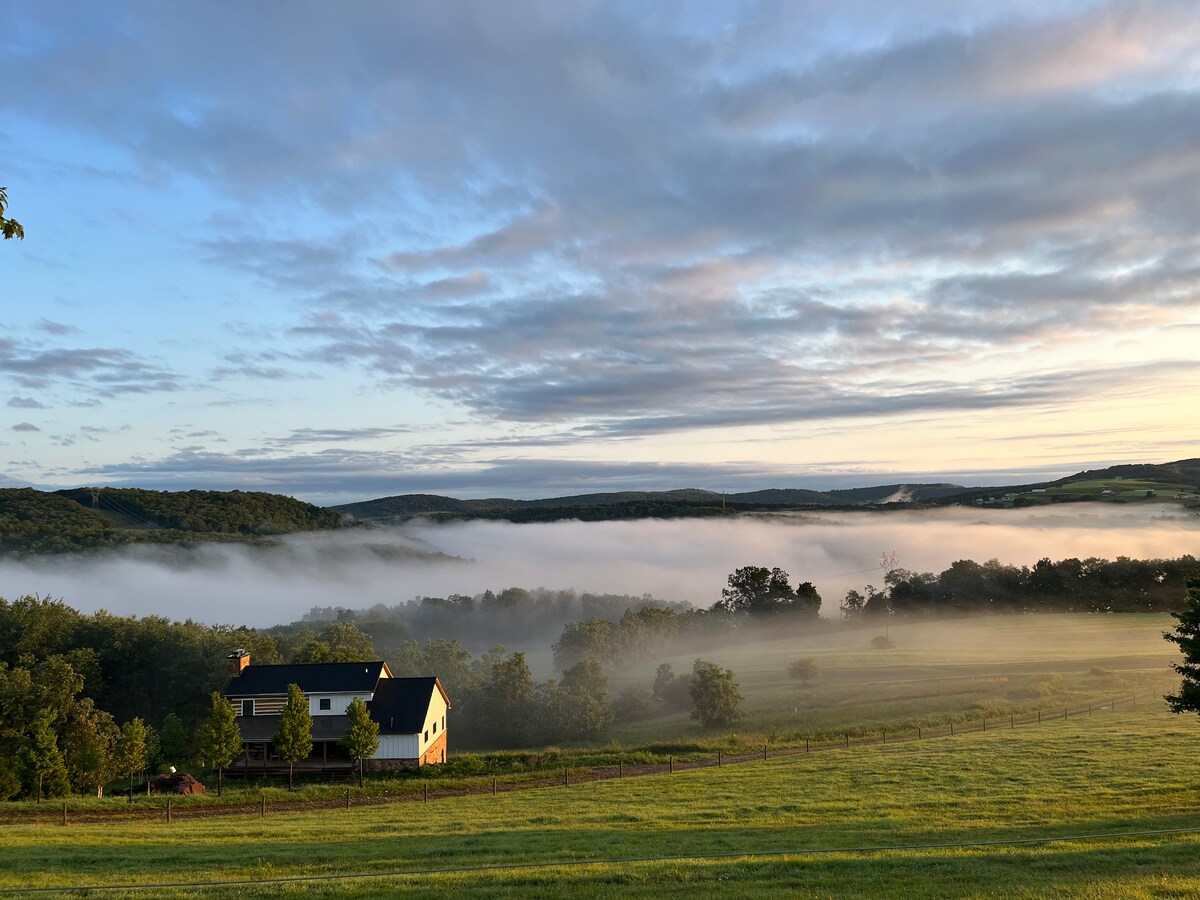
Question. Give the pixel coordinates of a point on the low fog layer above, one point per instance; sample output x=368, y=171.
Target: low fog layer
x=682, y=559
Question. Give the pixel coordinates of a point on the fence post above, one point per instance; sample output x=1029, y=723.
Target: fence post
x=847, y=740
x=806, y=750
x=1012, y=721
x=918, y=732
x=620, y=767
x=1065, y=711
x=885, y=735
x=64, y=814
x=347, y=798
x=951, y=728
x=1039, y=717
x=1133, y=699
x=168, y=809
x=671, y=764
x=493, y=785
x=426, y=787
x=764, y=752
x=984, y=725
x=262, y=811
x=718, y=759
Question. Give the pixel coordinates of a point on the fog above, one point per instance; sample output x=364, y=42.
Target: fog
x=675, y=560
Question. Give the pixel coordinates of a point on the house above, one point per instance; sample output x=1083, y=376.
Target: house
x=410, y=712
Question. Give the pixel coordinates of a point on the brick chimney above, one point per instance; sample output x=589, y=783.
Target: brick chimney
x=238, y=660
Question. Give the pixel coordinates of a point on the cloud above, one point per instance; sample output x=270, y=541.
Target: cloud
x=24, y=403
x=102, y=371
x=25, y=426
x=613, y=224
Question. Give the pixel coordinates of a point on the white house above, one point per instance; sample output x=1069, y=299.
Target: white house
x=411, y=712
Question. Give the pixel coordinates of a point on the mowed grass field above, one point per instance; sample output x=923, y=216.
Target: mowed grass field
x=811, y=824
x=962, y=670
x=1135, y=769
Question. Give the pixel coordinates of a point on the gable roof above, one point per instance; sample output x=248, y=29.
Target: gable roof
x=401, y=704
x=313, y=678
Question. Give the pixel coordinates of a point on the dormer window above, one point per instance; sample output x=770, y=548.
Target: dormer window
x=326, y=704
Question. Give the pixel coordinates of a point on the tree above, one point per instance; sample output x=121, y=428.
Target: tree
x=715, y=695
x=89, y=737
x=756, y=590
x=293, y=736
x=586, y=712
x=11, y=227
x=362, y=734
x=218, y=739
x=507, y=706
x=131, y=750
x=804, y=669
x=670, y=688
x=41, y=761
x=172, y=740
x=1187, y=636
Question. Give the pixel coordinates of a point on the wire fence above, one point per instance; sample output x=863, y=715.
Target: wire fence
x=168, y=809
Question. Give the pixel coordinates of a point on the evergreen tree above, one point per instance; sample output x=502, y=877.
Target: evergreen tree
x=218, y=739
x=41, y=762
x=293, y=736
x=362, y=734
x=1187, y=636
x=131, y=750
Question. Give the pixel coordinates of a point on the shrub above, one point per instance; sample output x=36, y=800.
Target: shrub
x=803, y=669
x=882, y=643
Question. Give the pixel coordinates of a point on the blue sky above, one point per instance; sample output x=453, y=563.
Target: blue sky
x=527, y=249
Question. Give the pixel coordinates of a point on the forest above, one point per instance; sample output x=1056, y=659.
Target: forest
x=33, y=522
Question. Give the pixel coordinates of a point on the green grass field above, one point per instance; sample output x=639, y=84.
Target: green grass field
x=1113, y=772
x=1134, y=769
x=960, y=670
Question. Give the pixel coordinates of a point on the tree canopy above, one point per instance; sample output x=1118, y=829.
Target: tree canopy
x=1187, y=636
x=293, y=734
x=362, y=734
x=10, y=227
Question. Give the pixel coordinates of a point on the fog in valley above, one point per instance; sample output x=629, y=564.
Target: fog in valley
x=684, y=560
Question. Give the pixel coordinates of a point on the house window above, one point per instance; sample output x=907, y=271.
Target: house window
x=247, y=707
x=427, y=735
x=326, y=704
x=435, y=727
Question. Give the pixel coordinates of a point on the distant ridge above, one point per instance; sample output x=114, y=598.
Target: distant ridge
x=697, y=502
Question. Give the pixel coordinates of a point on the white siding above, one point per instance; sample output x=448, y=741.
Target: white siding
x=398, y=746
x=338, y=703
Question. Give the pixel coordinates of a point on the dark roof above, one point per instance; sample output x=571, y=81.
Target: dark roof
x=400, y=704
x=260, y=729
x=313, y=678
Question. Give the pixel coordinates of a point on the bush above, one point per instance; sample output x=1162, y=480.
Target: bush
x=882, y=643
x=803, y=669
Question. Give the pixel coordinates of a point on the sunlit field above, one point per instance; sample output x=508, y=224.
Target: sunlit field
x=963, y=670
x=1112, y=773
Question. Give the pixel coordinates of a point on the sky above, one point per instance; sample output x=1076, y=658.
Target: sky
x=527, y=249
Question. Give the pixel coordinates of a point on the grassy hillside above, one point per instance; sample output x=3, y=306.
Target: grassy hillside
x=39, y=522
x=790, y=826
x=962, y=670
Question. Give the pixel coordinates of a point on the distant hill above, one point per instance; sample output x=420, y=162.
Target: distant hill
x=34, y=521
x=695, y=502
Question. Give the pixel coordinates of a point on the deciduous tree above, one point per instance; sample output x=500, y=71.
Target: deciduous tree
x=10, y=227
x=715, y=695
x=218, y=739
x=131, y=750
x=362, y=734
x=293, y=735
